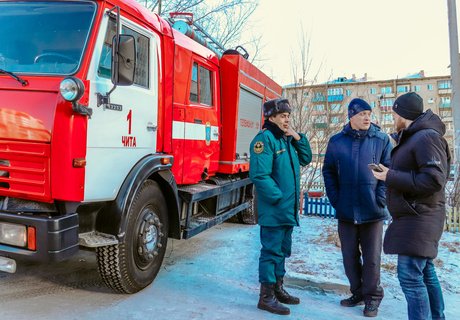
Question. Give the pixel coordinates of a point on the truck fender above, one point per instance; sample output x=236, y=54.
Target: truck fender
x=112, y=219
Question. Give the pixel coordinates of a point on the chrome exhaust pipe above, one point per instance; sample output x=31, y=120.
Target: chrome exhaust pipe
x=7, y=265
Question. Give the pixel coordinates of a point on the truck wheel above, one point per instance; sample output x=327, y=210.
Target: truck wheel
x=250, y=215
x=132, y=264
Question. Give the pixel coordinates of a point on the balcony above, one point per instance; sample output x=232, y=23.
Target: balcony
x=335, y=98
x=385, y=109
x=445, y=91
x=444, y=105
x=387, y=95
x=318, y=99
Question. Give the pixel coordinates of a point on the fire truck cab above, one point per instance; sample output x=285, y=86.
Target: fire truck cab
x=118, y=131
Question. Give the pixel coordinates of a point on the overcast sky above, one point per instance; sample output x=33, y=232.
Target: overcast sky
x=384, y=38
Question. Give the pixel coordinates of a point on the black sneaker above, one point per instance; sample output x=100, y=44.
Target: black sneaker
x=354, y=300
x=371, y=309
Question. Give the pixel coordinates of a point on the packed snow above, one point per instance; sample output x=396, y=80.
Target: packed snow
x=316, y=258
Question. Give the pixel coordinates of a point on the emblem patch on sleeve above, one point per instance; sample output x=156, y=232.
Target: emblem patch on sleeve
x=259, y=147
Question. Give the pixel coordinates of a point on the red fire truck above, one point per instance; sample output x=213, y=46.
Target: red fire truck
x=118, y=131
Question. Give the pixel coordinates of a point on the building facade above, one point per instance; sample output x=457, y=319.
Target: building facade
x=324, y=106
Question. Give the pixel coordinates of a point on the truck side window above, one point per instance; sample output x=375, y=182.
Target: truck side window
x=141, y=74
x=201, y=85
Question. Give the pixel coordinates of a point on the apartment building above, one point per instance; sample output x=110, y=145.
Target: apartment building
x=325, y=105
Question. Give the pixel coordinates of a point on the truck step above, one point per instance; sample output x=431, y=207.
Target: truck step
x=203, y=222
x=96, y=239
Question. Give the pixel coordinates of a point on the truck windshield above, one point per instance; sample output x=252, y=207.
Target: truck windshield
x=44, y=37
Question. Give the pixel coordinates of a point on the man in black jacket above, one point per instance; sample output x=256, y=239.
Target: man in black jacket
x=416, y=200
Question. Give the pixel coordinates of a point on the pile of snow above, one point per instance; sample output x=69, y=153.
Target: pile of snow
x=316, y=256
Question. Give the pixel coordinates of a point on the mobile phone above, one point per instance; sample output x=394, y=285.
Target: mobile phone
x=375, y=167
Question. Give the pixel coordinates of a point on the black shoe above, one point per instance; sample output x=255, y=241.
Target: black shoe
x=354, y=300
x=282, y=295
x=371, y=308
x=268, y=301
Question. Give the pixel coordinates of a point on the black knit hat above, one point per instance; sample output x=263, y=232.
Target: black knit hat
x=275, y=106
x=409, y=106
x=356, y=106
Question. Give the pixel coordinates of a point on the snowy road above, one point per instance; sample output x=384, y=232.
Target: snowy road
x=212, y=276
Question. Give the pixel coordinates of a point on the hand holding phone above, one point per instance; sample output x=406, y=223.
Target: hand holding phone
x=375, y=167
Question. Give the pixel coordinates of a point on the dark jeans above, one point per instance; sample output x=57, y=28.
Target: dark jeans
x=361, y=252
x=421, y=287
x=276, y=247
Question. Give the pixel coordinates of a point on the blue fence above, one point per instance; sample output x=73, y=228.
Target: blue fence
x=318, y=207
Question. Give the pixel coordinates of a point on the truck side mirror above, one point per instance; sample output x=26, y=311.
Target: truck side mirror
x=123, y=60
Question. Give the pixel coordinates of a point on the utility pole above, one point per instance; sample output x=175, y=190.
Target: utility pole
x=455, y=75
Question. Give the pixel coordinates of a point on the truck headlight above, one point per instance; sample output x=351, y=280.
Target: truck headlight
x=13, y=234
x=72, y=89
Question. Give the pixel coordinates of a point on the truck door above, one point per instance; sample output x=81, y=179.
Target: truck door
x=122, y=131
x=201, y=125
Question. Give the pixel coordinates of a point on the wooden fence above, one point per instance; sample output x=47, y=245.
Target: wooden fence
x=317, y=207
x=321, y=207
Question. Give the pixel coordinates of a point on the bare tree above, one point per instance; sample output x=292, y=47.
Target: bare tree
x=312, y=112
x=225, y=20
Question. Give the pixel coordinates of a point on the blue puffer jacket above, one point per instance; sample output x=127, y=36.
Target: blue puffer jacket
x=353, y=191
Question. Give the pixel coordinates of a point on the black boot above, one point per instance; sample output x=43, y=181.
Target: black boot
x=282, y=294
x=268, y=301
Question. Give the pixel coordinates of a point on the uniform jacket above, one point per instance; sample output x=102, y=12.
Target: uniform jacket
x=275, y=171
x=415, y=196
x=353, y=191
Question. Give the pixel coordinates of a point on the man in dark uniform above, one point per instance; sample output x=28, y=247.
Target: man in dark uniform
x=276, y=155
x=420, y=165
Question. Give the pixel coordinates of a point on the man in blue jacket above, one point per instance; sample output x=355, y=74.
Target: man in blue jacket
x=359, y=200
x=276, y=155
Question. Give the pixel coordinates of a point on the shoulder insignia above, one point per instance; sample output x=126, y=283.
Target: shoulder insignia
x=259, y=147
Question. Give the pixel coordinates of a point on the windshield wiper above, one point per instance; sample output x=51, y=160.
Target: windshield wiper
x=12, y=75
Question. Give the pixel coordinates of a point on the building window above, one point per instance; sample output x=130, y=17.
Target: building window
x=319, y=107
x=305, y=94
x=417, y=88
x=373, y=91
x=445, y=84
x=429, y=87
x=387, y=102
x=348, y=92
x=445, y=102
x=385, y=90
x=335, y=120
x=294, y=96
x=334, y=91
x=387, y=118
x=403, y=88
x=430, y=100
x=372, y=104
x=335, y=107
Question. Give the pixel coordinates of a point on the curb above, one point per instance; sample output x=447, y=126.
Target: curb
x=315, y=284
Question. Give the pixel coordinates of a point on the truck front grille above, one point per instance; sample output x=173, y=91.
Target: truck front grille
x=24, y=170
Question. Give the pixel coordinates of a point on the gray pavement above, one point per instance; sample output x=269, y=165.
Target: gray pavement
x=211, y=276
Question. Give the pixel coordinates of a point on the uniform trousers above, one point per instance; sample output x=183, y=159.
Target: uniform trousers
x=276, y=247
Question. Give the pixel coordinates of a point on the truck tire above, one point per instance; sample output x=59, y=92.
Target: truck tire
x=250, y=215
x=133, y=264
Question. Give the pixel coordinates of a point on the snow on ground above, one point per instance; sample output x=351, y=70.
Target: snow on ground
x=316, y=257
